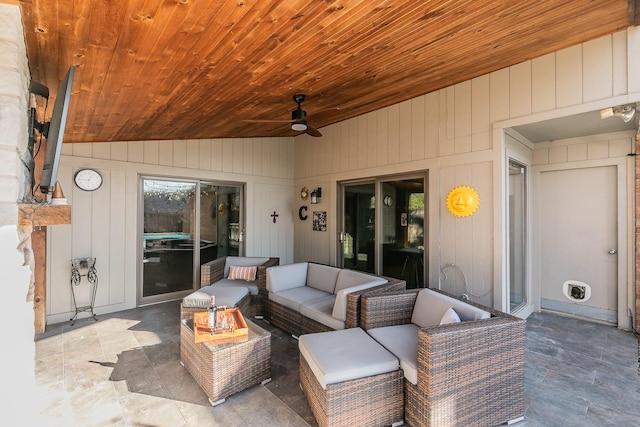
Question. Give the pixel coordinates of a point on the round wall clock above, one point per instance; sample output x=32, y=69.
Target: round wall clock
x=88, y=179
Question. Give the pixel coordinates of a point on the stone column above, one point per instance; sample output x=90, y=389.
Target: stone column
x=17, y=378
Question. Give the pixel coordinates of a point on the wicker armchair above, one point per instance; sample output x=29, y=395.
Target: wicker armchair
x=469, y=373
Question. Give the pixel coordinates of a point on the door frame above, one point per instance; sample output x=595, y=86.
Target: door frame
x=377, y=181
x=624, y=230
x=522, y=152
x=141, y=300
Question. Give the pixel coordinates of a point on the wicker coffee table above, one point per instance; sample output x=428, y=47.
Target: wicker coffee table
x=224, y=369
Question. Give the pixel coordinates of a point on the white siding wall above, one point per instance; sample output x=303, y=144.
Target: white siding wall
x=105, y=222
x=596, y=147
x=455, y=134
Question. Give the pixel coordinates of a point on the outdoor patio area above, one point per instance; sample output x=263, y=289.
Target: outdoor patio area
x=124, y=370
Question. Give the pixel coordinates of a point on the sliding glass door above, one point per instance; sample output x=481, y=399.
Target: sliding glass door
x=184, y=225
x=402, y=217
x=358, y=236
x=383, y=227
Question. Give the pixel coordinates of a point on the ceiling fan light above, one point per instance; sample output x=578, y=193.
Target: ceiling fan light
x=299, y=126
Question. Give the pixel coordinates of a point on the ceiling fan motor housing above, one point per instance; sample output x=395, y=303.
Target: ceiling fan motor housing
x=298, y=114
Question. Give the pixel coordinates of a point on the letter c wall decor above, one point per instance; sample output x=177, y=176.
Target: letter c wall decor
x=301, y=213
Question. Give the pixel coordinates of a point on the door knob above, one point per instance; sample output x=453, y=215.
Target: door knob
x=612, y=252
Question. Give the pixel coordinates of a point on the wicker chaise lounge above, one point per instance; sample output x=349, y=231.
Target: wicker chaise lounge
x=469, y=373
x=215, y=273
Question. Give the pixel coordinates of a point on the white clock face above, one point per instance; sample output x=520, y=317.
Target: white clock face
x=88, y=179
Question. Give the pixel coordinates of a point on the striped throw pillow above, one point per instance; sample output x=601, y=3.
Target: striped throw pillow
x=247, y=273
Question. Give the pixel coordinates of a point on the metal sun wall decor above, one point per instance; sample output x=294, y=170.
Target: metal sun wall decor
x=463, y=201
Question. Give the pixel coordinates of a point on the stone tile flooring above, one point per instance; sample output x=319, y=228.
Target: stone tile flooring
x=580, y=374
x=124, y=370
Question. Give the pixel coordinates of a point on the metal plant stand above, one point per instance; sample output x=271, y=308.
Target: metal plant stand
x=83, y=267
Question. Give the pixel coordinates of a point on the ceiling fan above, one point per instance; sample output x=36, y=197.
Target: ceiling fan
x=299, y=118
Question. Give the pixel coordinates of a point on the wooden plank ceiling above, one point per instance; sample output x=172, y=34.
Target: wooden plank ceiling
x=182, y=69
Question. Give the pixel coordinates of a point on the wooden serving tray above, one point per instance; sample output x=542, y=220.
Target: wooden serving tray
x=202, y=332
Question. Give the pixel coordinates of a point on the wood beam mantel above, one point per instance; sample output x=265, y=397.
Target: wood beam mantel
x=42, y=215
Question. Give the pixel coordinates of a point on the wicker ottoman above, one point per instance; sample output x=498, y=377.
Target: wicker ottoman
x=225, y=369
x=201, y=299
x=350, y=380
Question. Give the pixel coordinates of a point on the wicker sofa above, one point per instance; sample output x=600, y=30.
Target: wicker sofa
x=307, y=297
x=467, y=373
x=216, y=274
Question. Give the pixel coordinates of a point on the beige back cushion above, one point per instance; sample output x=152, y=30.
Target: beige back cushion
x=322, y=277
x=350, y=278
x=286, y=276
x=431, y=306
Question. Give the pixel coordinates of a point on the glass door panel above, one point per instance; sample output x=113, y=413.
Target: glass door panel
x=402, y=212
x=358, y=236
x=208, y=223
x=168, y=236
x=229, y=230
x=517, y=233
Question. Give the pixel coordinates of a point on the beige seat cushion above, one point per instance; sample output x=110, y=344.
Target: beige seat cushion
x=226, y=283
x=402, y=341
x=320, y=310
x=344, y=355
x=229, y=296
x=294, y=297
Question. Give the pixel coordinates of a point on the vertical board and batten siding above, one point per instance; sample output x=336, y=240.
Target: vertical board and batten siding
x=105, y=222
x=451, y=134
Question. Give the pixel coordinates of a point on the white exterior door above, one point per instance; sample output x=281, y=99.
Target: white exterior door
x=579, y=241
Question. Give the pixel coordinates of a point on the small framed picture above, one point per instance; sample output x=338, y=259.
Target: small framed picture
x=403, y=219
x=319, y=221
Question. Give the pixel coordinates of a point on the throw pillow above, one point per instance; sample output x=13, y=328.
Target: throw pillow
x=450, y=316
x=247, y=273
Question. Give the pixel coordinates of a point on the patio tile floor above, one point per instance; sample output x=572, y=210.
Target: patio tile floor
x=124, y=370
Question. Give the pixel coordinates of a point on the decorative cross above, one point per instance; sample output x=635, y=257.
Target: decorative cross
x=274, y=215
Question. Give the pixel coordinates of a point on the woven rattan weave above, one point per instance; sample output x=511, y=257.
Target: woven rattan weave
x=365, y=402
x=224, y=369
x=469, y=373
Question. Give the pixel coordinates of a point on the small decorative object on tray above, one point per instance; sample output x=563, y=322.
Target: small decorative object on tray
x=220, y=325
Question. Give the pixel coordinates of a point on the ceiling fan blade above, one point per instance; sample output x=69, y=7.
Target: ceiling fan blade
x=322, y=113
x=268, y=121
x=312, y=131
